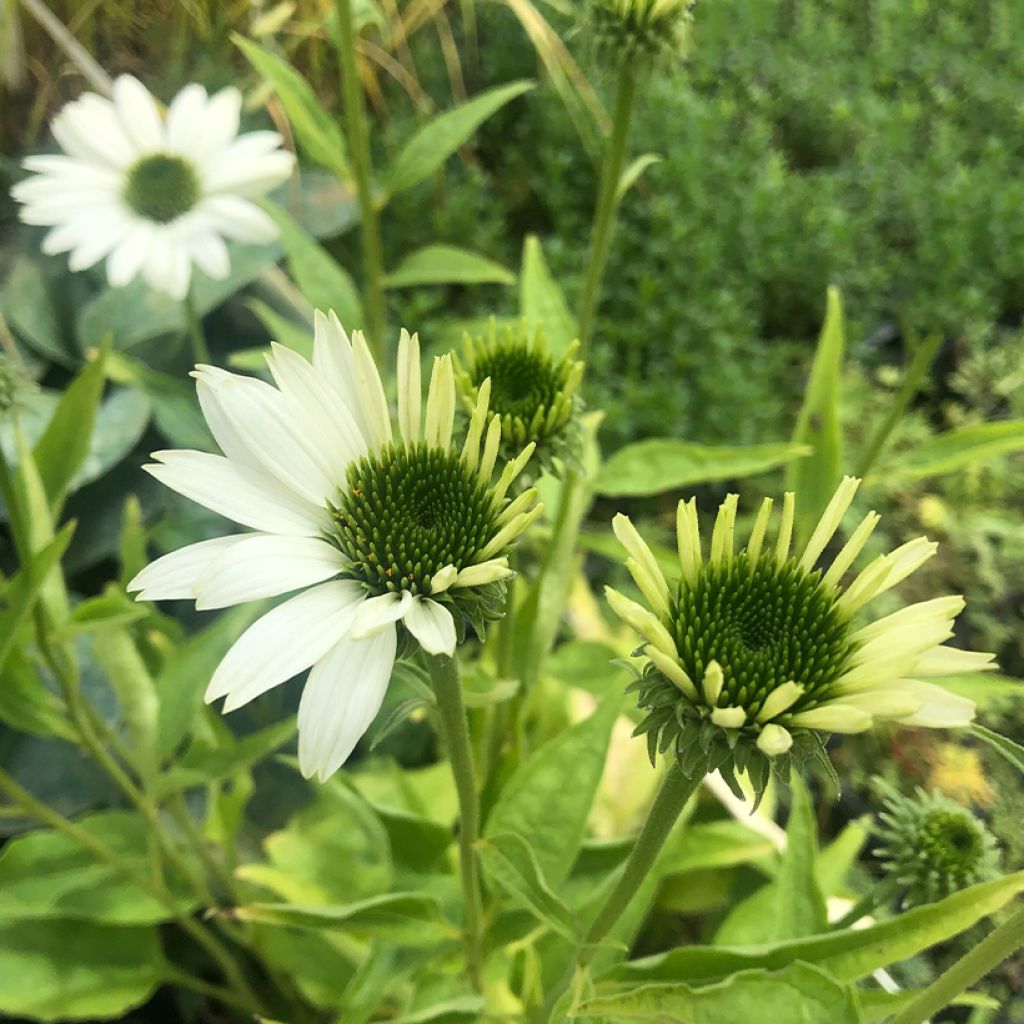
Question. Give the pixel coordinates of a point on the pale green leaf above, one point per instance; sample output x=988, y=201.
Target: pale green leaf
x=30, y=305
x=428, y=149
x=799, y=905
x=541, y=302
x=315, y=129
x=956, y=449
x=662, y=464
x=1012, y=752
x=717, y=844
x=631, y=175
x=112, y=609
x=815, y=479
x=26, y=705
x=447, y=264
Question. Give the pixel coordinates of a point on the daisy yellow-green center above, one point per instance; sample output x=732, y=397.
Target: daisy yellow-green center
x=161, y=187
x=765, y=625
x=523, y=379
x=407, y=512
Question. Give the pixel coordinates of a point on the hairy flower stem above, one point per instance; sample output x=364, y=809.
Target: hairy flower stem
x=445, y=676
x=676, y=790
x=358, y=136
x=196, y=338
x=971, y=967
x=244, y=995
x=607, y=204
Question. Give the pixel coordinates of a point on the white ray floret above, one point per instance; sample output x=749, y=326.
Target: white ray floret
x=289, y=454
x=153, y=194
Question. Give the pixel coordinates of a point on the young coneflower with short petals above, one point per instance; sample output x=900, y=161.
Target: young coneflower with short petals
x=535, y=394
x=754, y=657
x=638, y=32
x=153, y=194
x=932, y=847
x=396, y=539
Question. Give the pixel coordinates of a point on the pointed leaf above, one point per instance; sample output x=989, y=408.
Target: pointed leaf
x=957, y=449
x=541, y=301
x=1012, y=752
x=447, y=264
x=799, y=905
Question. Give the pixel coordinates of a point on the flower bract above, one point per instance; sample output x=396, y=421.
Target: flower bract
x=151, y=194
x=395, y=538
x=754, y=656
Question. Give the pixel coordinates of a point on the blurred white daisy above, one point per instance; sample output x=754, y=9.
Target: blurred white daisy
x=153, y=195
x=399, y=540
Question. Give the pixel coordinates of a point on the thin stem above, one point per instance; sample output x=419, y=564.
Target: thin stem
x=56, y=30
x=183, y=979
x=40, y=811
x=971, y=967
x=922, y=358
x=196, y=338
x=444, y=674
x=357, y=133
x=676, y=790
x=607, y=204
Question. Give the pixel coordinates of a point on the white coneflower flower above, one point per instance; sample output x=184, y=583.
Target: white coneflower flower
x=752, y=656
x=382, y=530
x=153, y=194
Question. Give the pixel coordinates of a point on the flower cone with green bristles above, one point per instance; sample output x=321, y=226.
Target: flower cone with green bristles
x=754, y=657
x=638, y=33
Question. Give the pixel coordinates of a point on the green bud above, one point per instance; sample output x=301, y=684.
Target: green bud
x=637, y=33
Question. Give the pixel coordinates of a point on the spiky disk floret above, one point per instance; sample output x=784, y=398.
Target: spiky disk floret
x=752, y=658
x=638, y=32
x=933, y=847
x=535, y=395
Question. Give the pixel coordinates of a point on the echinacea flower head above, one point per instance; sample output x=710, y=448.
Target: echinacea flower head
x=535, y=394
x=638, y=33
x=153, y=194
x=933, y=847
x=754, y=657
x=396, y=539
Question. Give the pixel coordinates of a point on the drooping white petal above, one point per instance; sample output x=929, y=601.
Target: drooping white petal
x=340, y=700
x=377, y=613
x=850, y=550
x=939, y=709
x=371, y=390
x=210, y=255
x=444, y=578
x=951, y=661
x=238, y=218
x=409, y=386
x=885, y=702
x=265, y=565
x=833, y=717
x=173, y=576
x=284, y=642
x=673, y=671
x=432, y=625
x=246, y=174
x=829, y=522
x=247, y=496
x=138, y=113
x=644, y=622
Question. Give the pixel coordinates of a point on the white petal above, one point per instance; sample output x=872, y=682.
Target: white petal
x=940, y=709
x=341, y=698
x=243, y=174
x=782, y=698
x=644, y=622
x=886, y=702
x=729, y=718
x=376, y=613
x=125, y=261
x=371, y=390
x=712, y=683
x=248, y=497
x=334, y=361
x=264, y=565
x=284, y=642
x=238, y=218
x=138, y=112
x=688, y=540
x=409, y=387
x=951, y=661
x=223, y=112
x=444, y=578
x=210, y=255
x=432, y=625
x=829, y=521
x=481, y=574
x=673, y=671
x=723, y=531
x=91, y=251
x=173, y=576
x=774, y=740
x=833, y=717
x=89, y=129
x=646, y=571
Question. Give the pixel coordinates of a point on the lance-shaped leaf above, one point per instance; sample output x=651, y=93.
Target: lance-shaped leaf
x=957, y=449
x=541, y=301
x=447, y=264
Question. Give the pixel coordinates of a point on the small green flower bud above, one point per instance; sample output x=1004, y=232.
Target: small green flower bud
x=535, y=395
x=933, y=847
x=636, y=33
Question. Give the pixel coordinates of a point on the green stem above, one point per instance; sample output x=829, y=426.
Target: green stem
x=444, y=674
x=922, y=358
x=676, y=790
x=879, y=894
x=41, y=812
x=971, y=967
x=357, y=133
x=607, y=204
x=196, y=338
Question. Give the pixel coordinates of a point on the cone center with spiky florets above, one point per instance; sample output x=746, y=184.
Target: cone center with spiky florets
x=409, y=511
x=765, y=625
x=161, y=187
x=638, y=31
x=523, y=380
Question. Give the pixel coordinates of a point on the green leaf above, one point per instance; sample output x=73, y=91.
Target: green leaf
x=956, y=449
x=120, y=422
x=799, y=992
x=324, y=282
x=428, y=149
x=799, y=905
x=187, y=671
x=815, y=479
x=631, y=175
x=447, y=264
x=877, y=1005
x=23, y=589
x=61, y=452
x=46, y=875
x=1012, y=752
x=29, y=304
x=315, y=129
x=847, y=955
x=587, y=664
x=406, y=917
x=73, y=970
x=285, y=331
x=717, y=844
x=449, y=1011
x=662, y=464
x=111, y=610
x=549, y=795
x=541, y=302
x=509, y=861
x=26, y=704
